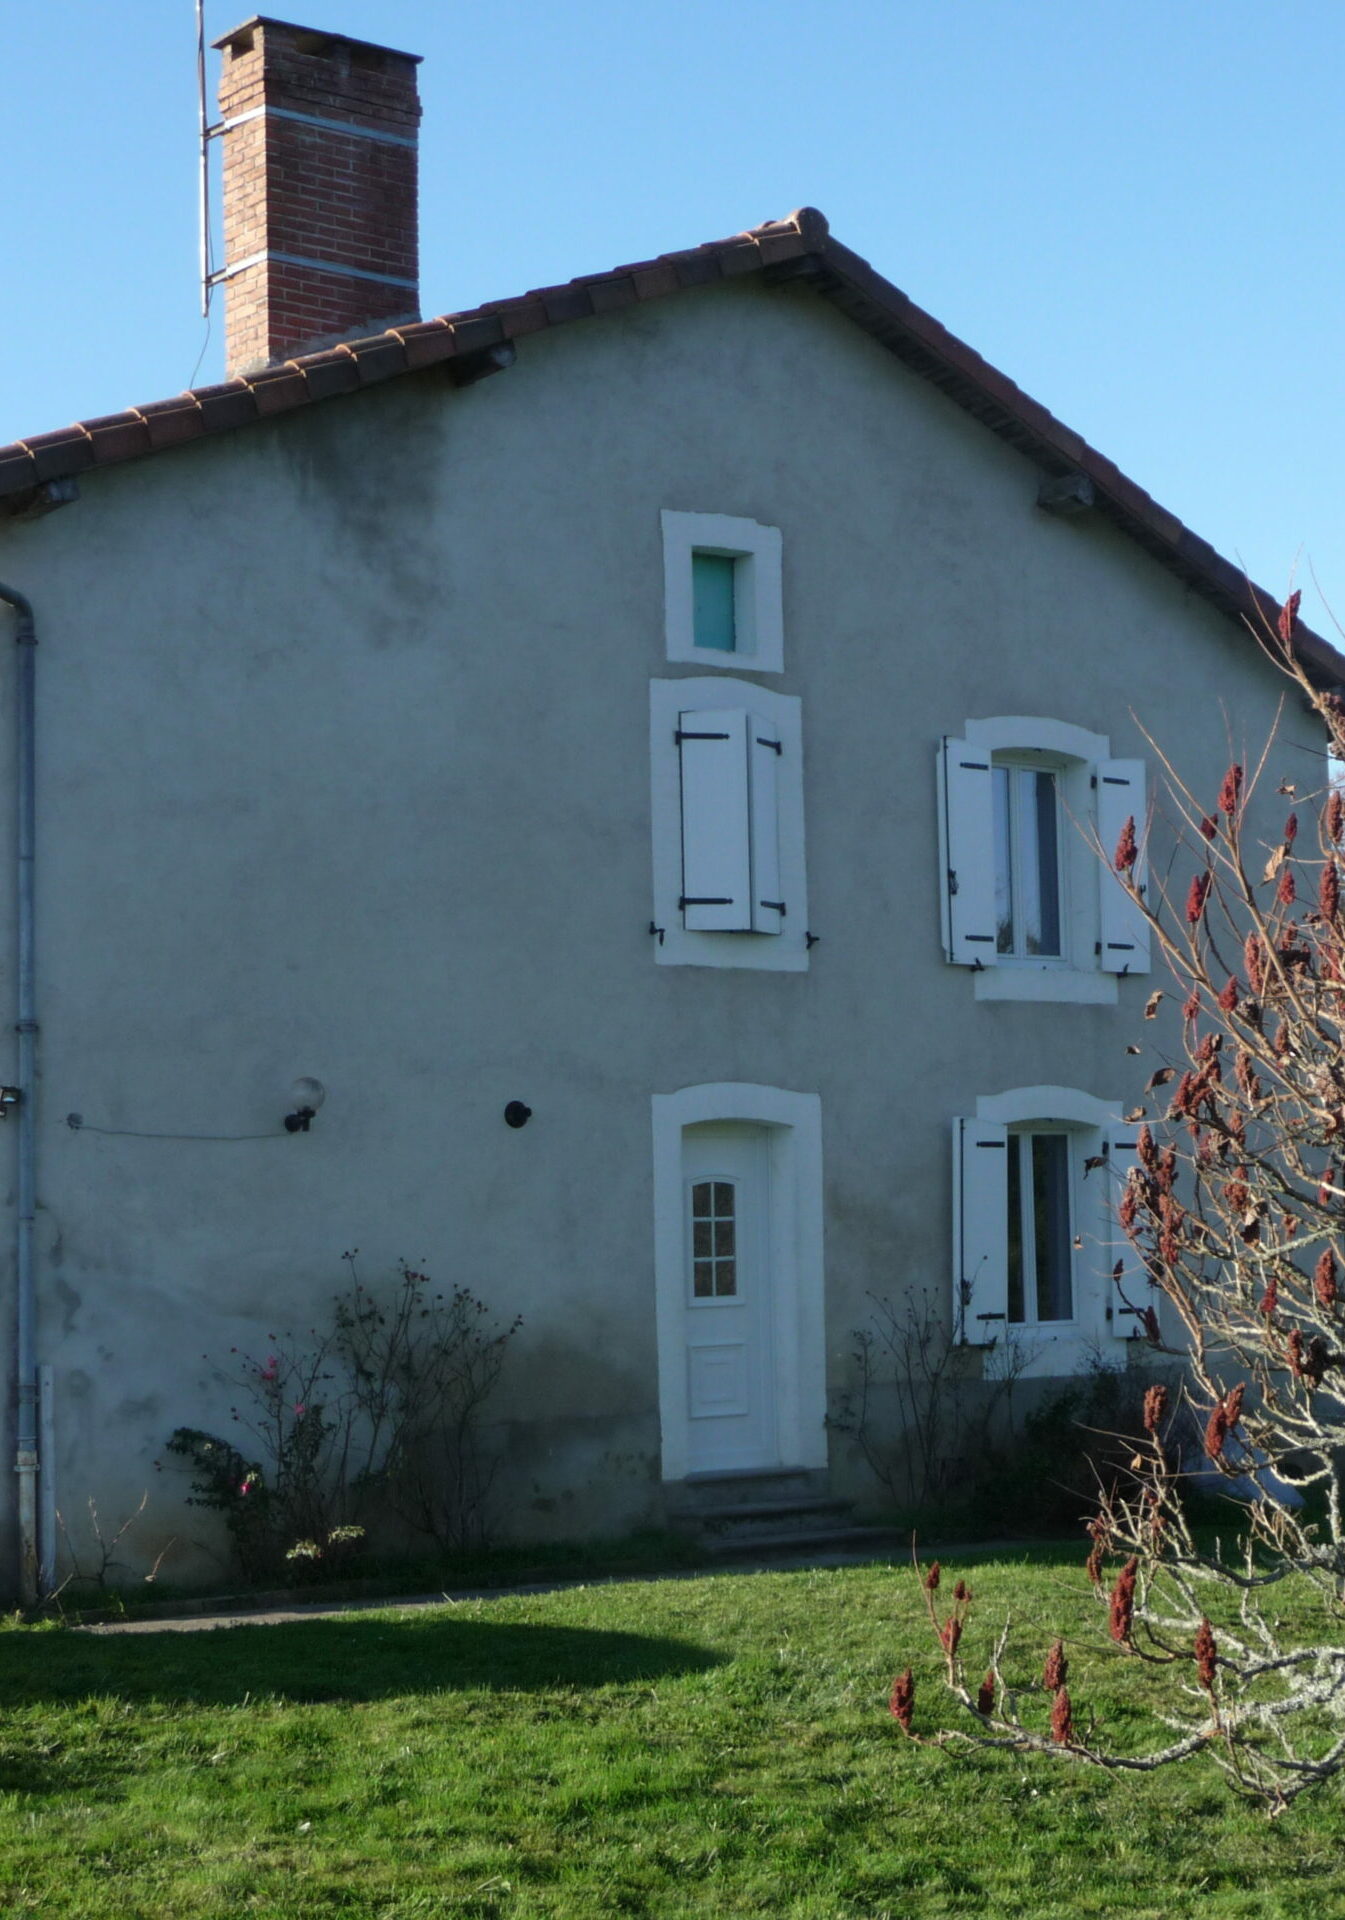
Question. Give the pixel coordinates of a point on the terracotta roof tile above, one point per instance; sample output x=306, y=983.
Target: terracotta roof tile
x=613, y=292
x=230, y=404
x=118, y=436
x=330, y=373
x=378, y=359
x=277, y=389
x=654, y=279
x=518, y=317
x=16, y=470
x=475, y=331
x=803, y=245
x=566, y=303
x=171, y=422
x=427, y=344
x=68, y=450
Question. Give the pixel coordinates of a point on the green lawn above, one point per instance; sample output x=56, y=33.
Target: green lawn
x=718, y=1745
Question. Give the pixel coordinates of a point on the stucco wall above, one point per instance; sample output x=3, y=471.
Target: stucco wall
x=343, y=772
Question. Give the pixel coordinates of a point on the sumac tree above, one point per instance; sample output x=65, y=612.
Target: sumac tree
x=1236, y=1210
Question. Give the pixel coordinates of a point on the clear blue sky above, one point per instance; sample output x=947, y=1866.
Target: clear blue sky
x=1131, y=206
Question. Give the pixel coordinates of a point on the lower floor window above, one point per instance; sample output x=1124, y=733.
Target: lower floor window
x=1040, y=1232
x=1038, y=1175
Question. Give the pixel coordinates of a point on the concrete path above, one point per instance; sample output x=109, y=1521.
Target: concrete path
x=283, y=1612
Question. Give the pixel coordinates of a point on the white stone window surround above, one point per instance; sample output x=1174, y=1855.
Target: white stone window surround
x=794, y=1121
x=1095, y=1130
x=782, y=952
x=1075, y=754
x=758, y=605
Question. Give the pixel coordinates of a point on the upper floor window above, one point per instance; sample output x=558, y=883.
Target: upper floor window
x=726, y=769
x=721, y=591
x=1026, y=902
x=1027, y=860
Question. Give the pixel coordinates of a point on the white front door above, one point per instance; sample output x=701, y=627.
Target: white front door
x=726, y=1298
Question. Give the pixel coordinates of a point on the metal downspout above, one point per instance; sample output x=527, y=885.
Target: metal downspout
x=26, y=1449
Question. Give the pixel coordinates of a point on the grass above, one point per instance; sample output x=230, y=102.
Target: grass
x=708, y=1746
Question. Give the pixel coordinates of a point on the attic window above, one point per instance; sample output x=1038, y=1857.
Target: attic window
x=721, y=591
x=713, y=585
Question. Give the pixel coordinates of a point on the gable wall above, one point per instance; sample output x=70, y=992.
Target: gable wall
x=344, y=772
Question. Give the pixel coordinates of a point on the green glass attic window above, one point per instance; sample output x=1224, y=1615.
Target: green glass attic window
x=712, y=582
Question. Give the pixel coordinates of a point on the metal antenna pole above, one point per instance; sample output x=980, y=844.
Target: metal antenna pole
x=205, y=159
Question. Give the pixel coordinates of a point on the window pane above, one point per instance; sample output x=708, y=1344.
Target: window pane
x=1017, y=1312
x=712, y=579
x=1050, y=1220
x=701, y=1244
x=725, y=1278
x=700, y=1199
x=1045, y=936
x=723, y=1200
x=724, y=1247
x=703, y=1284
x=1003, y=862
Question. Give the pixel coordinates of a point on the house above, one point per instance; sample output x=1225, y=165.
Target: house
x=672, y=710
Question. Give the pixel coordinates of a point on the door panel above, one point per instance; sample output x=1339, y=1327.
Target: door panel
x=726, y=1300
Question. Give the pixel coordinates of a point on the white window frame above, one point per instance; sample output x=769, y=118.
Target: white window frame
x=758, y=601
x=1093, y=906
x=675, y=944
x=1100, y=1329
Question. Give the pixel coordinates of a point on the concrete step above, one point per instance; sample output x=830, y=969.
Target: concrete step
x=703, y=1493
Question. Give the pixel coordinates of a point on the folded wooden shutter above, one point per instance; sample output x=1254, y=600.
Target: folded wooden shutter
x=1125, y=1301
x=716, y=821
x=1124, y=937
x=980, y=1231
x=764, y=755
x=967, y=830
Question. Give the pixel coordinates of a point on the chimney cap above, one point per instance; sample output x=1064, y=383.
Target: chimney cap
x=322, y=40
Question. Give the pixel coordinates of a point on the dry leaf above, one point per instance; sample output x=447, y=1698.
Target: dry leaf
x=1094, y=1160
x=1275, y=862
x=1135, y=1113
x=1287, y=786
x=1134, y=1049
x=1151, y=1004
x=1160, y=1078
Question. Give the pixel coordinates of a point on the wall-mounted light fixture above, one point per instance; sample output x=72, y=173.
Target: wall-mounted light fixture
x=516, y=1114
x=307, y=1095
x=9, y=1099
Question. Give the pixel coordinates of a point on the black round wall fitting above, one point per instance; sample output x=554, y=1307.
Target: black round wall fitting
x=516, y=1114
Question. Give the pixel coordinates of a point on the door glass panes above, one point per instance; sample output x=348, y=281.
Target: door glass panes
x=1040, y=1241
x=712, y=584
x=1027, y=862
x=714, y=1251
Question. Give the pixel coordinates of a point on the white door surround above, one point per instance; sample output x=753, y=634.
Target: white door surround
x=761, y=1350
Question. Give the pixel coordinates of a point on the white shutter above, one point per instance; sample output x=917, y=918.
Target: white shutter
x=967, y=847
x=980, y=1231
x=1121, y=1321
x=1124, y=935
x=716, y=834
x=764, y=753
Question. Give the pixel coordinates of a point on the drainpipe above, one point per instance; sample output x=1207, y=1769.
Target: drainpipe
x=26, y=1453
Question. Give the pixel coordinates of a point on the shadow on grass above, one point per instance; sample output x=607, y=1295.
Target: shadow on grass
x=346, y=1659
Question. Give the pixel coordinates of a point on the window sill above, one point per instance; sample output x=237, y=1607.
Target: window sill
x=1062, y=985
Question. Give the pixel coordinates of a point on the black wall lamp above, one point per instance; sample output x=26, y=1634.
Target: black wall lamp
x=516, y=1114
x=308, y=1095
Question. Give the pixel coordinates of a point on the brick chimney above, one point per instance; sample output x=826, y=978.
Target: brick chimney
x=319, y=139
